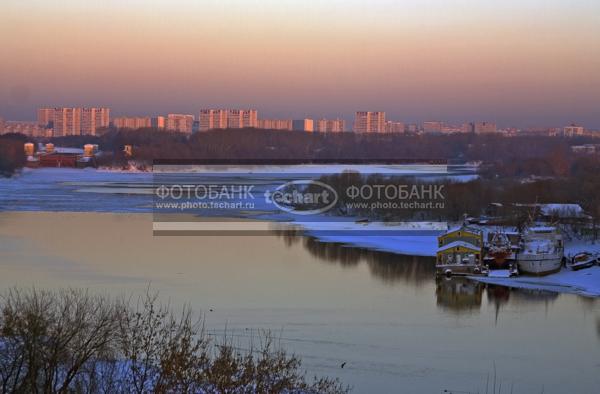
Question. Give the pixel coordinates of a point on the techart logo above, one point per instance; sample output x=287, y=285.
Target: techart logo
x=303, y=197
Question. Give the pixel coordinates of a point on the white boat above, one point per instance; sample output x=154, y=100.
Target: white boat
x=582, y=260
x=542, y=251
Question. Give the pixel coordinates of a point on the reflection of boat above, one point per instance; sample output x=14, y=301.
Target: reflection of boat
x=542, y=251
x=582, y=260
x=458, y=293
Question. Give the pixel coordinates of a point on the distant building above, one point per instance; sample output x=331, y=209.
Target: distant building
x=45, y=117
x=180, y=123
x=484, y=127
x=432, y=127
x=330, y=125
x=412, y=128
x=369, y=122
x=303, y=125
x=211, y=119
x=126, y=122
x=275, y=124
x=242, y=118
x=158, y=122
x=573, y=131
x=31, y=129
x=93, y=119
x=67, y=121
x=74, y=120
x=394, y=127
x=468, y=127
x=451, y=129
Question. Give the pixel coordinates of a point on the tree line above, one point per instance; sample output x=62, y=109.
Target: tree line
x=150, y=144
x=503, y=156
x=70, y=341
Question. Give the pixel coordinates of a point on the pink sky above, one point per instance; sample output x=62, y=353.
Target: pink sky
x=521, y=63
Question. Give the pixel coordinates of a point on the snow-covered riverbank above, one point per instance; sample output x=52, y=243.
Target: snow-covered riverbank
x=584, y=282
x=407, y=238
x=420, y=239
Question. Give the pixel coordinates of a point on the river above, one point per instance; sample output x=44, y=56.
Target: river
x=384, y=315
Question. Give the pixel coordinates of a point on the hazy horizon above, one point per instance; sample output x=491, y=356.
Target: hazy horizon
x=523, y=64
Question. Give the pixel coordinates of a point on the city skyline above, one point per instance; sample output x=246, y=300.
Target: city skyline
x=521, y=64
x=61, y=121
x=209, y=119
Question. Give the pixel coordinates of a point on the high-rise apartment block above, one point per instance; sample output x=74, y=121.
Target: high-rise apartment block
x=129, y=122
x=93, y=119
x=275, y=124
x=468, y=127
x=73, y=120
x=330, y=125
x=227, y=118
x=432, y=127
x=158, y=122
x=242, y=118
x=213, y=119
x=303, y=125
x=573, y=130
x=369, y=122
x=67, y=121
x=394, y=127
x=484, y=127
x=45, y=117
x=180, y=123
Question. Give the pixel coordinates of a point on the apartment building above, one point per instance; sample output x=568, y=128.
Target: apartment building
x=394, y=127
x=303, y=125
x=180, y=123
x=132, y=122
x=369, y=122
x=93, y=119
x=330, y=125
x=275, y=124
x=573, y=130
x=484, y=127
x=67, y=121
x=31, y=129
x=432, y=127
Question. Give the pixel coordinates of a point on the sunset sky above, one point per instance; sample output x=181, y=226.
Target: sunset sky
x=521, y=63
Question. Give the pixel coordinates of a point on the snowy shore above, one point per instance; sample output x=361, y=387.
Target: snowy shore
x=585, y=282
x=420, y=239
x=407, y=238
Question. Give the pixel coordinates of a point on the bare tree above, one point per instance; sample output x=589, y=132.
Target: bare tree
x=71, y=341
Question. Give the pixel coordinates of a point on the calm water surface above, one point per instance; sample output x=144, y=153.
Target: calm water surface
x=397, y=329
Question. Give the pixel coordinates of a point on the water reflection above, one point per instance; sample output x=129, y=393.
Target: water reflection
x=456, y=294
x=389, y=268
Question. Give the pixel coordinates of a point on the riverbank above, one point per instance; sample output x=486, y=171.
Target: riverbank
x=583, y=282
x=407, y=238
x=420, y=239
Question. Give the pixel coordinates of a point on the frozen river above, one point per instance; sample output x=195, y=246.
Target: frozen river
x=384, y=315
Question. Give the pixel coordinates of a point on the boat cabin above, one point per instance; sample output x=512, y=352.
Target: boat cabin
x=460, y=245
x=459, y=252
